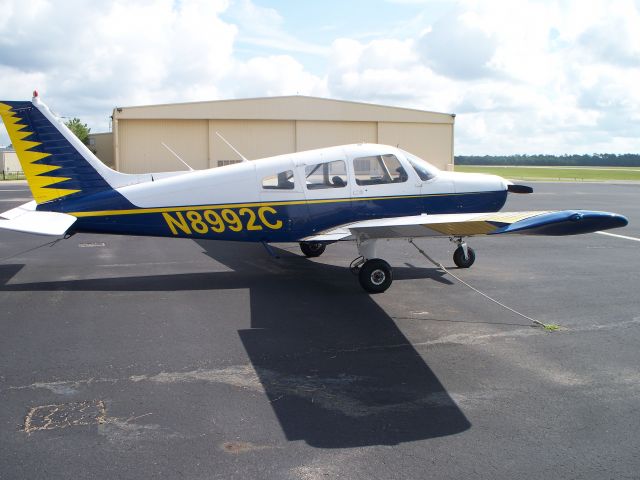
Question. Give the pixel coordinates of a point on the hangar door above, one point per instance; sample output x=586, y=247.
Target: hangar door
x=141, y=150
x=319, y=134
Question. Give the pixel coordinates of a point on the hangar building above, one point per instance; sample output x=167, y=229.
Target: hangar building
x=9, y=162
x=262, y=127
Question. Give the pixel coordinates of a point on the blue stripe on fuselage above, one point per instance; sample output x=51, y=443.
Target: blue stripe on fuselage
x=298, y=220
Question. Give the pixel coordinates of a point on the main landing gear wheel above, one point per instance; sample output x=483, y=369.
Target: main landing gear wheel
x=312, y=249
x=375, y=275
x=460, y=260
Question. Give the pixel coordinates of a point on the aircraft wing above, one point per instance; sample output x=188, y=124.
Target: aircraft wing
x=565, y=222
x=27, y=219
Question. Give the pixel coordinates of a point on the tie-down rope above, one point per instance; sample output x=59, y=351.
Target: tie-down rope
x=546, y=326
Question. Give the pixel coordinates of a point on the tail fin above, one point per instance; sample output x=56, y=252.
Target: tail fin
x=56, y=163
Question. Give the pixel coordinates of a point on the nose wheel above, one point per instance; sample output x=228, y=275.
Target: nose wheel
x=464, y=256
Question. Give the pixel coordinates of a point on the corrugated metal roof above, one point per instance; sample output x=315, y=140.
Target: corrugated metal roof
x=296, y=107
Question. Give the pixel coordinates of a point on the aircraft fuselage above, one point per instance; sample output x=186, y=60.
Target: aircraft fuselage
x=288, y=197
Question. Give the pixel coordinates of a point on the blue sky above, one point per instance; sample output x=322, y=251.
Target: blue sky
x=525, y=76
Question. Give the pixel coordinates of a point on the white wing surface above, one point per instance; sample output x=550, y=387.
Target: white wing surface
x=566, y=222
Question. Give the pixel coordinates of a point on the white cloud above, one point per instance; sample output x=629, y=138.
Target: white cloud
x=523, y=76
x=457, y=47
x=272, y=76
x=110, y=53
x=264, y=27
x=124, y=52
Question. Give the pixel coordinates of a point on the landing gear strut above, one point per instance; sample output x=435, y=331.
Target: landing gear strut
x=376, y=275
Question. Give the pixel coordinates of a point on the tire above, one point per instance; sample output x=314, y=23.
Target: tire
x=375, y=275
x=460, y=261
x=312, y=249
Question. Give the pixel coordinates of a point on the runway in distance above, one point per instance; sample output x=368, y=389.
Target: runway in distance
x=360, y=193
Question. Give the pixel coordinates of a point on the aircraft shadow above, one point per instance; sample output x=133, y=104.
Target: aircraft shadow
x=335, y=367
x=337, y=370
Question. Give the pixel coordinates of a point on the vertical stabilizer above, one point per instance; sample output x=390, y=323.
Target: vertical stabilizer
x=58, y=166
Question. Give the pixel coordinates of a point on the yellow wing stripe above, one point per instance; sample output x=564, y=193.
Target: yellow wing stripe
x=510, y=217
x=481, y=225
x=462, y=228
x=39, y=183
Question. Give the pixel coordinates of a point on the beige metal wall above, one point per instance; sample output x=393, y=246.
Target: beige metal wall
x=318, y=134
x=9, y=161
x=431, y=142
x=101, y=144
x=197, y=143
x=263, y=127
x=141, y=150
x=252, y=138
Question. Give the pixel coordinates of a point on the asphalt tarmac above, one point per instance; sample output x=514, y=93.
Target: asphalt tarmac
x=131, y=357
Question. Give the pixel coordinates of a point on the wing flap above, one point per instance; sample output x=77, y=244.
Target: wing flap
x=25, y=219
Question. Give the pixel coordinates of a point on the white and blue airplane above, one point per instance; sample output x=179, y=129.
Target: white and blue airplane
x=360, y=193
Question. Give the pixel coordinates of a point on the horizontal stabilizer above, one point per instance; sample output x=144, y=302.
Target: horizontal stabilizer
x=21, y=210
x=26, y=219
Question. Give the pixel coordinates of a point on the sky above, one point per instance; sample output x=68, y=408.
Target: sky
x=522, y=76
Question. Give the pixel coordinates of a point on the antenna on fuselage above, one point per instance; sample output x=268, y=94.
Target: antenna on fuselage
x=177, y=156
x=244, y=159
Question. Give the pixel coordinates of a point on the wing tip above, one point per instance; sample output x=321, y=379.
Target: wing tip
x=566, y=222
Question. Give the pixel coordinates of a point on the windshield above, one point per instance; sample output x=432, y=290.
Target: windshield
x=424, y=169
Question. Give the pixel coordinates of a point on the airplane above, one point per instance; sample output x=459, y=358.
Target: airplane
x=360, y=193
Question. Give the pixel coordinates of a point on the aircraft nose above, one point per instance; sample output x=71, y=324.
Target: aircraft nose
x=478, y=182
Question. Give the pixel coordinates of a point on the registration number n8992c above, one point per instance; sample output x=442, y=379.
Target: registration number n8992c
x=221, y=220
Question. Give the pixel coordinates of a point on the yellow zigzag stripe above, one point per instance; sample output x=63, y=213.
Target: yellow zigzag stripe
x=39, y=183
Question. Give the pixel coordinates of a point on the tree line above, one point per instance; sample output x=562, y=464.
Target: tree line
x=589, y=160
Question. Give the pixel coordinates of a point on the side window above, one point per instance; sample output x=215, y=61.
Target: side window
x=326, y=175
x=378, y=170
x=281, y=181
x=425, y=170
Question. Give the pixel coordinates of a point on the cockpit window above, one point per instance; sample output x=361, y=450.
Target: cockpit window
x=379, y=169
x=280, y=181
x=326, y=175
x=424, y=169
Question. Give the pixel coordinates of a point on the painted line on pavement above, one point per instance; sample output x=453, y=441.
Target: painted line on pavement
x=619, y=236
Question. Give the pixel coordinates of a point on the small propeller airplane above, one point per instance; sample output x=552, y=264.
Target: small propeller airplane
x=360, y=193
